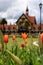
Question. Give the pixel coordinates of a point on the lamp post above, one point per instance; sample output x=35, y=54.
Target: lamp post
x=40, y=5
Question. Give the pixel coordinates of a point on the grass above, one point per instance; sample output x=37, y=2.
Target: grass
x=27, y=54
x=19, y=41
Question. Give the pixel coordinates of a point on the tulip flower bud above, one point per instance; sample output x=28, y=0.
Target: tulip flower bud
x=15, y=58
x=6, y=38
x=13, y=37
x=41, y=37
x=23, y=45
x=24, y=36
x=26, y=41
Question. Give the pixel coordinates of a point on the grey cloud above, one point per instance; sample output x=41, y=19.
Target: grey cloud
x=18, y=14
x=14, y=9
x=4, y=5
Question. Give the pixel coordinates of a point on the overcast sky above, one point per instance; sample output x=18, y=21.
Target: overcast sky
x=12, y=9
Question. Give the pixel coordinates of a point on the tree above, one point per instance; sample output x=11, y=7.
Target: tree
x=3, y=21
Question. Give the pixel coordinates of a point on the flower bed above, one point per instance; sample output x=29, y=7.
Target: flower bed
x=21, y=51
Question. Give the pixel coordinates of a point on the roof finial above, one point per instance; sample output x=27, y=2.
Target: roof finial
x=27, y=10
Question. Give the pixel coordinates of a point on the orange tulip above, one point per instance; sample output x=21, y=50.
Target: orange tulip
x=26, y=41
x=13, y=37
x=41, y=37
x=6, y=38
x=24, y=36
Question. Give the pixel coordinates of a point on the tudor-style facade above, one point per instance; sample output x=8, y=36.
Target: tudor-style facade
x=26, y=22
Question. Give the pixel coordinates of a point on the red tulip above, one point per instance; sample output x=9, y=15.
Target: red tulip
x=6, y=38
x=41, y=36
x=13, y=37
x=24, y=36
x=23, y=45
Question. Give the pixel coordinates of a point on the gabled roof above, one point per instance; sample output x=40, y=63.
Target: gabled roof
x=30, y=18
x=41, y=26
x=36, y=26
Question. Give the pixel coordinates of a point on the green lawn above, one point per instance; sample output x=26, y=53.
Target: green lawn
x=29, y=54
x=19, y=41
x=26, y=55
